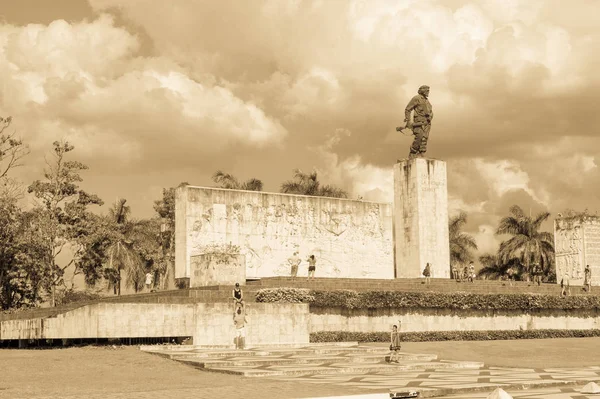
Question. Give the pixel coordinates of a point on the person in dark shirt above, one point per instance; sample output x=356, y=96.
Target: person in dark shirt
x=238, y=296
x=312, y=267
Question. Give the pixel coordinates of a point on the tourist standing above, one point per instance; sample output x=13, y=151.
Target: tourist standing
x=294, y=262
x=455, y=272
x=395, y=345
x=312, y=267
x=427, y=273
x=239, y=321
x=537, y=274
x=510, y=273
x=587, y=279
x=565, y=285
x=149, y=280
x=471, y=272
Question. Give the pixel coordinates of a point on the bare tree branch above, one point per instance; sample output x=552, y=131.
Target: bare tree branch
x=12, y=149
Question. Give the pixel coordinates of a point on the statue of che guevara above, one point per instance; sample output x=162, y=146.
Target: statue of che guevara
x=421, y=124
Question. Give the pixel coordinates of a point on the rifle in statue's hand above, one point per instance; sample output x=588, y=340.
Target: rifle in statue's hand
x=409, y=127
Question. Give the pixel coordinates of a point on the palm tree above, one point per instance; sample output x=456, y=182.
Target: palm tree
x=308, y=184
x=461, y=243
x=494, y=269
x=121, y=253
x=225, y=180
x=527, y=244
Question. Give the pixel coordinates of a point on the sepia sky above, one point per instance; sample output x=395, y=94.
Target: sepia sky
x=154, y=93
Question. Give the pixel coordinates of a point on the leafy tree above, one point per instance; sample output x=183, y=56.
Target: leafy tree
x=461, y=243
x=309, y=184
x=225, y=180
x=62, y=218
x=21, y=245
x=527, y=243
x=494, y=269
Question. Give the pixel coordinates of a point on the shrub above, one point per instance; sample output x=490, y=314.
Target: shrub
x=291, y=295
x=430, y=336
x=72, y=296
x=349, y=299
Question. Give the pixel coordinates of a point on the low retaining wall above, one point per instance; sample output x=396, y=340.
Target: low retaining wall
x=339, y=319
x=207, y=323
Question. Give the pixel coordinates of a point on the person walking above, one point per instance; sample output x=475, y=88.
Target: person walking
x=395, y=345
x=312, y=267
x=294, y=262
x=239, y=321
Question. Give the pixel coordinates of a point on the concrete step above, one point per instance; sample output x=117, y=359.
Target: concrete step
x=299, y=360
x=340, y=368
x=312, y=359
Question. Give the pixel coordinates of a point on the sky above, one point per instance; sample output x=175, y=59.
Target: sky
x=152, y=94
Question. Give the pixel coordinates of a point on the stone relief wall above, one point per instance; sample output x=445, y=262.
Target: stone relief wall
x=577, y=244
x=348, y=238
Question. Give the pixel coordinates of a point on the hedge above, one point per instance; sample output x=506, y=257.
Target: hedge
x=430, y=336
x=350, y=299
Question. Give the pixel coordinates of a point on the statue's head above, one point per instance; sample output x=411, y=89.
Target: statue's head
x=424, y=90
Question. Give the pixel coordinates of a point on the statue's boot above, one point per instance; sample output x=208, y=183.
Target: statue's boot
x=242, y=342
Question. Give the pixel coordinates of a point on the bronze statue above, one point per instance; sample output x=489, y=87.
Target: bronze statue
x=421, y=124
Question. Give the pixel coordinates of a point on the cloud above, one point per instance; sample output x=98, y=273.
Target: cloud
x=85, y=82
x=261, y=88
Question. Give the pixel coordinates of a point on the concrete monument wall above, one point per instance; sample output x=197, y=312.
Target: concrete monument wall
x=217, y=269
x=577, y=244
x=373, y=320
x=348, y=238
x=421, y=218
x=207, y=323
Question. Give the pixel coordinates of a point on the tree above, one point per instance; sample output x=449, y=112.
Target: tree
x=165, y=208
x=225, y=180
x=63, y=217
x=12, y=150
x=461, y=243
x=21, y=276
x=309, y=184
x=494, y=269
x=121, y=253
x=527, y=243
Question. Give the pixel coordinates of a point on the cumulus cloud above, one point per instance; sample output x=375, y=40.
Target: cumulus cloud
x=259, y=88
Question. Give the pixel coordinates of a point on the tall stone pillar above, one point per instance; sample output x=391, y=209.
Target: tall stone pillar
x=421, y=218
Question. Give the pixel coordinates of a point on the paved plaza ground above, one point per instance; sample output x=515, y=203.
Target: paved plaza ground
x=126, y=372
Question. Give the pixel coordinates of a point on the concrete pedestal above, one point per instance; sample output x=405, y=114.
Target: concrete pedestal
x=421, y=218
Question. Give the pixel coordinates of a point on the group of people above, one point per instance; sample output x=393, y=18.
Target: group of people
x=295, y=261
x=467, y=273
x=565, y=283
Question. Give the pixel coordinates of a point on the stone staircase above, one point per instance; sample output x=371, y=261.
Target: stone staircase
x=331, y=358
